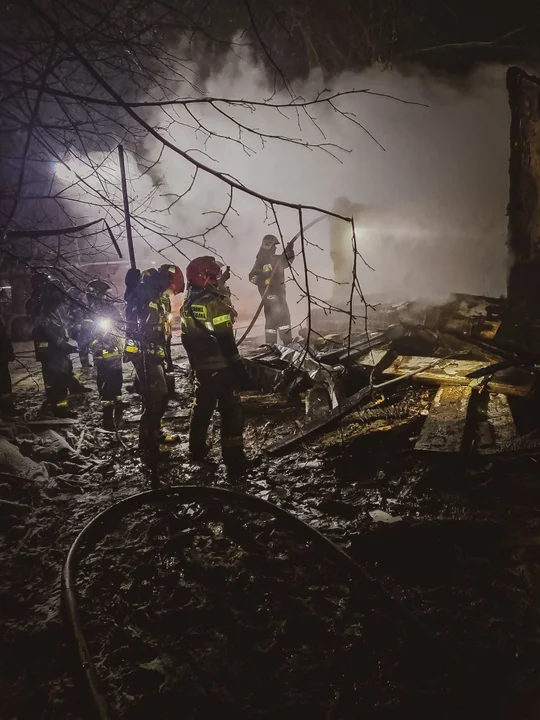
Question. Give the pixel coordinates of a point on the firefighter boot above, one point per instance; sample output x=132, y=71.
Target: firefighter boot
x=108, y=417
x=171, y=388
x=62, y=411
x=235, y=459
x=85, y=362
x=118, y=416
x=197, y=453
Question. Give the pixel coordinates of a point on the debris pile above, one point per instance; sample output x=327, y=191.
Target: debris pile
x=472, y=364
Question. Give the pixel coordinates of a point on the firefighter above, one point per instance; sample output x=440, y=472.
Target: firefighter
x=105, y=345
x=43, y=286
x=52, y=347
x=268, y=274
x=7, y=355
x=149, y=360
x=208, y=339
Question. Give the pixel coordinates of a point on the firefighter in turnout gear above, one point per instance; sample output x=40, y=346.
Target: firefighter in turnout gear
x=44, y=291
x=53, y=348
x=7, y=407
x=208, y=339
x=150, y=357
x=105, y=345
x=268, y=274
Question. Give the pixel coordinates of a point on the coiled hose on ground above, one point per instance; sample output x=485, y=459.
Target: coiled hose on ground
x=100, y=524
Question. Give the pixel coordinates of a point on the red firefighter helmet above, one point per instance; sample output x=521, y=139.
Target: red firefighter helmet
x=203, y=271
x=174, y=278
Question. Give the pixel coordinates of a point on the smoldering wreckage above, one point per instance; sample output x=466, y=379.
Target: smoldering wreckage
x=381, y=560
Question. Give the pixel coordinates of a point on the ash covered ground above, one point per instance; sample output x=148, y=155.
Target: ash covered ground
x=197, y=609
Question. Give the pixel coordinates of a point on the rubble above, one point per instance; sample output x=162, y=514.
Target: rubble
x=467, y=347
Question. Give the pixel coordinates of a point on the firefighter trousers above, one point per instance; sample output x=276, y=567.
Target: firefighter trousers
x=57, y=373
x=277, y=319
x=151, y=376
x=109, y=379
x=215, y=388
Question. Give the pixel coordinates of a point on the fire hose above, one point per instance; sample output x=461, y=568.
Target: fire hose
x=98, y=527
x=265, y=293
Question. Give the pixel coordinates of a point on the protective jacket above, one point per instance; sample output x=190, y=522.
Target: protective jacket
x=265, y=263
x=145, y=305
x=207, y=329
x=152, y=316
x=51, y=339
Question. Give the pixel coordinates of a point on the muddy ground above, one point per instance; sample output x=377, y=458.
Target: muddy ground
x=191, y=610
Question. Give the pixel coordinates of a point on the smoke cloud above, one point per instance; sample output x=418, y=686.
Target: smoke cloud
x=432, y=204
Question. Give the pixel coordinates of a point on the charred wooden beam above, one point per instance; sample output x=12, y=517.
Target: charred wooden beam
x=512, y=381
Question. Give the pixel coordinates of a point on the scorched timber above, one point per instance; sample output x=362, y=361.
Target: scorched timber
x=344, y=409
x=446, y=424
x=458, y=372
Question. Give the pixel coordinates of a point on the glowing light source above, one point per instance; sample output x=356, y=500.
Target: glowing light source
x=104, y=323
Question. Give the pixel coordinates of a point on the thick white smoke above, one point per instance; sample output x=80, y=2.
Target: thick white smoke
x=433, y=201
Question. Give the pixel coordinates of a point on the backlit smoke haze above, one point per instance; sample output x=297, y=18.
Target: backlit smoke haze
x=433, y=202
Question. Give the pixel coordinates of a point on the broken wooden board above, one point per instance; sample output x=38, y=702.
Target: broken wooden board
x=51, y=423
x=171, y=415
x=344, y=409
x=513, y=381
x=446, y=424
x=498, y=430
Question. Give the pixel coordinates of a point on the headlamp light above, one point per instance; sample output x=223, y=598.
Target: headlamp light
x=104, y=323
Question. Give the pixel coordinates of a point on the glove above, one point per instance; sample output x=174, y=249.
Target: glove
x=289, y=247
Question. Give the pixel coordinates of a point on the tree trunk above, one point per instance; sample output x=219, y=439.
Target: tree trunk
x=524, y=203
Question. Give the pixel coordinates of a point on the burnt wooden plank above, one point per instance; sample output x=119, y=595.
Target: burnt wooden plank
x=446, y=424
x=513, y=381
x=498, y=430
x=45, y=423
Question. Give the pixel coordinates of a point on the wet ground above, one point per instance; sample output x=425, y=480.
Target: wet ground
x=203, y=609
